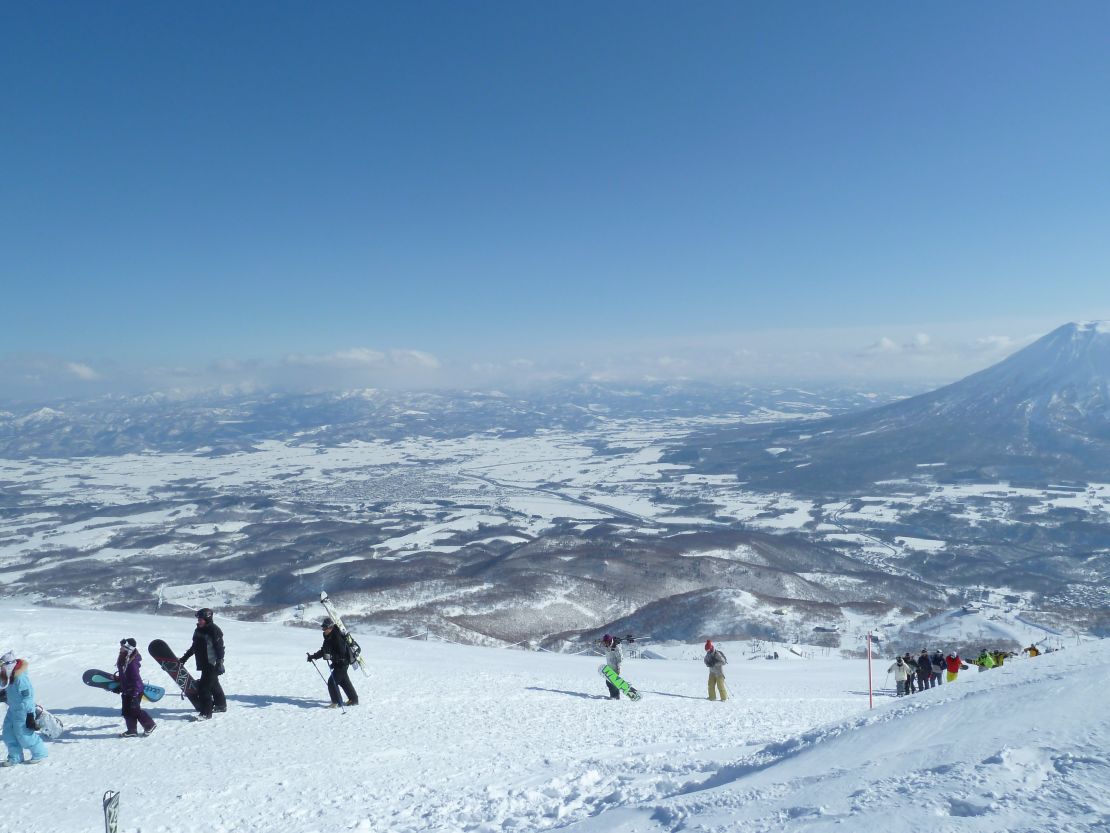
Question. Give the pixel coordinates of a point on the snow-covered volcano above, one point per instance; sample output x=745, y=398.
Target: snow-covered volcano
x=1043, y=414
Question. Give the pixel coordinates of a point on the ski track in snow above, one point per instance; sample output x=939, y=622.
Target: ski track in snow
x=456, y=738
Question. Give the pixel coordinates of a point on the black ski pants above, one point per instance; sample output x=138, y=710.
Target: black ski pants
x=210, y=692
x=339, y=679
x=134, y=714
x=614, y=692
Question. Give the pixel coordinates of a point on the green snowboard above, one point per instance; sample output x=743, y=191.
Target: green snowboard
x=619, y=682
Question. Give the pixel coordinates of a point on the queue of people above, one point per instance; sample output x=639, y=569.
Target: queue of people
x=927, y=670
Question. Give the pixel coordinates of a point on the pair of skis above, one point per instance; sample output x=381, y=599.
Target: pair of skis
x=356, y=649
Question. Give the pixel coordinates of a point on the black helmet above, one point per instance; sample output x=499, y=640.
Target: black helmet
x=327, y=623
x=205, y=613
x=130, y=641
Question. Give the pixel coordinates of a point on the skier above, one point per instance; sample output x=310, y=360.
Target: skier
x=1032, y=651
x=19, y=723
x=131, y=689
x=716, y=661
x=613, y=657
x=902, y=673
x=208, y=647
x=953, y=664
x=337, y=652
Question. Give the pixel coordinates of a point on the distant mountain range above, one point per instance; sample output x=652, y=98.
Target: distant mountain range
x=1040, y=416
x=221, y=424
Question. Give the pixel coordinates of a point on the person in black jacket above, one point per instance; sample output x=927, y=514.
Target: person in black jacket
x=337, y=652
x=208, y=648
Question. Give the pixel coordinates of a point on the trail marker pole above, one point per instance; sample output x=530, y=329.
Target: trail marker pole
x=870, y=687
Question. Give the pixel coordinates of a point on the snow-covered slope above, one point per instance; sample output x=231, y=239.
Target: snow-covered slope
x=453, y=738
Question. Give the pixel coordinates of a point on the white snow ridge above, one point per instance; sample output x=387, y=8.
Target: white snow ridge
x=452, y=738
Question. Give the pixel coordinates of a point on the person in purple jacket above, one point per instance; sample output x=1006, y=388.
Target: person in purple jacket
x=131, y=689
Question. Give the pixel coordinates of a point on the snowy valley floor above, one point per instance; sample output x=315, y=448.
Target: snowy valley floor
x=452, y=738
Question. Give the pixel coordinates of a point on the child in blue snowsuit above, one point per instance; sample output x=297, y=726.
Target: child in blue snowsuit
x=19, y=722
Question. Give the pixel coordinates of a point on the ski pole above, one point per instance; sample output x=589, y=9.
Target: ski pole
x=321, y=673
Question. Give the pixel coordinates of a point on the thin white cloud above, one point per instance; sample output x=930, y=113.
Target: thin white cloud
x=82, y=371
x=351, y=358
x=413, y=359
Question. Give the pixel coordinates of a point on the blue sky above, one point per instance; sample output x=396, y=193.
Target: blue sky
x=497, y=188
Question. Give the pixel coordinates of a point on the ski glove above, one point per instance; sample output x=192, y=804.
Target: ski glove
x=219, y=668
x=31, y=722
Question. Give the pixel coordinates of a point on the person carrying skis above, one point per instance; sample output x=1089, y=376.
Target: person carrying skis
x=208, y=648
x=715, y=661
x=336, y=651
x=613, y=657
x=903, y=671
x=131, y=689
x=20, y=730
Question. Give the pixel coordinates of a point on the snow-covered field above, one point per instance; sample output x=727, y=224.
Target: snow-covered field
x=453, y=738
x=526, y=482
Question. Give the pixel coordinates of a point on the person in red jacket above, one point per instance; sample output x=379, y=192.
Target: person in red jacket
x=953, y=664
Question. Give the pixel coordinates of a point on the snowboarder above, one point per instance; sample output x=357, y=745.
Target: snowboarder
x=208, y=648
x=337, y=651
x=715, y=661
x=131, y=689
x=613, y=657
x=985, y=660
x=903, y=672
x=953, y=664
x=19, y=723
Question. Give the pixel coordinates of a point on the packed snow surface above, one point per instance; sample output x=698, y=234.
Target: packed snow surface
x=453, y=738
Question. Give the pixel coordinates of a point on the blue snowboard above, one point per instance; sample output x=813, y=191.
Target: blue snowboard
x=108, y=682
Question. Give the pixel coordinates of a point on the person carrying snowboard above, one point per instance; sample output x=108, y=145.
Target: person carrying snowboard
x=715, y=661
x=611, y=646
x=131, y=689
x=20, y=729
x=985, y=660
x=337, y=652
x=208, y=648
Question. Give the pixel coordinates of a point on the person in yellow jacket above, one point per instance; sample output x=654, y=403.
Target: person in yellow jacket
x=1032, y=650
x=716, y=661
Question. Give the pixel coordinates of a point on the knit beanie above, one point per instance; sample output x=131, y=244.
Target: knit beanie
x=709, y=645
